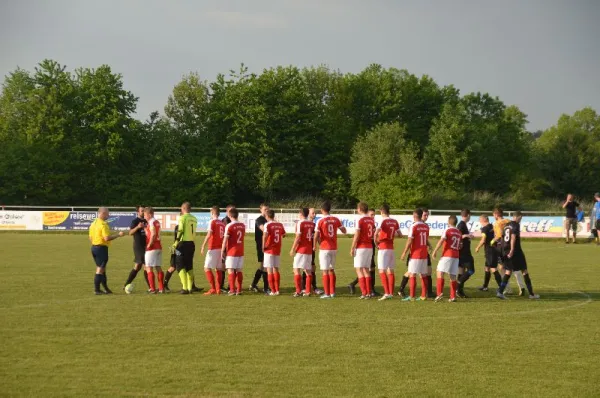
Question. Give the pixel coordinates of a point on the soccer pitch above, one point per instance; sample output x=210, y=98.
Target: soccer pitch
x=60, y=339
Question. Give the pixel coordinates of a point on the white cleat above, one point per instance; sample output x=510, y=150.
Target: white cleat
x=439, y=298
x=534, y=296
x=385, y=297
x=452, y=300
x=325, y=296
x=319, y=291
x=362, y=297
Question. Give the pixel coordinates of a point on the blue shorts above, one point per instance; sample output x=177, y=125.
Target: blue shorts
x=100, y=254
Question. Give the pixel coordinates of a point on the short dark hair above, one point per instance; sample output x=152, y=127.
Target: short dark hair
x=326, y=206
x=264, y=204
x=271, y=213
x=216, y=210
x=187, y=205
x=385, y=209
x=363, y=207
x=425, y=209
x=452, y=220
x=372, y=209
x=229, y=207
x=465, y=212
x=498, y=210
x=233, y=212
x=304, y=211
x=138, y=207
x=419, y=212
x=517, y=213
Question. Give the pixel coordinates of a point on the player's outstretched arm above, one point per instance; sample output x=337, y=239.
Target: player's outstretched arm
x=343, y=230
x=437, y=247
x=208, y=233
x=152, y=237
x=295, y=245
x=481, y=243
x=377, y=236
x=224, y=246
x=354, y=242
x=317, y=240
x=406, y=248
x=513, y=239
x=264, y=239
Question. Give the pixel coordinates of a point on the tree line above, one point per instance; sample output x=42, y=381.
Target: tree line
x=381, y=135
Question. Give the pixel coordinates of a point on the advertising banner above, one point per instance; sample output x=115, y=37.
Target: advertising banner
x=20, y=220
x=81, y=220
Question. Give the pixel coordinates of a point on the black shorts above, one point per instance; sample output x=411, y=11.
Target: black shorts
x=313, y=259
x=516, y=263
x=186, y=256
x=139, y=254
x=598, y=224
x=467, y=263
x=491, y=258
x=100, y=255
x=260, y=256
x=173, y=262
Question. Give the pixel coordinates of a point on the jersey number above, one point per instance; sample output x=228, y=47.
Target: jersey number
x=455, y=244
x=193, y=228
x=391, y=233
x=239, y=237
x=330, y=230
x=370, y=231
x=276, y=238
x=507, y=235
x=309, y=235
x=423, y=238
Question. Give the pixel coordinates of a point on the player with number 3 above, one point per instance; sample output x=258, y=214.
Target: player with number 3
x=452, y=240
x=271, y=243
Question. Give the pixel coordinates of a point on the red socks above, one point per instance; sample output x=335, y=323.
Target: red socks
x=361, y=284
x=271, y=279
x=325, y=283
x=384, y=282
x=277, y=278
x=391, y=283
x=424, y=286
x=231, y=279
x=240, y=279
x=440, y=286
x=211, y=278
x=298, y=283
x=453, y=287
x=412, y=283
x=368, y=285
x=151, y=280
x=219, y=276
x=308, y=288
x=331, y=282
x=161, y=280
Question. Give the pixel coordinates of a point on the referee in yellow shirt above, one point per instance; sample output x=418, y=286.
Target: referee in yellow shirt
x=100, y=238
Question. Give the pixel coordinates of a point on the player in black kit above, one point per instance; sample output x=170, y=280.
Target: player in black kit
x=513, y=257
x=136, y=229
x=466, y=263
x=491, y=254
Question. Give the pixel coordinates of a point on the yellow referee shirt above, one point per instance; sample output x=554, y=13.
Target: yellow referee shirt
x=98, y=231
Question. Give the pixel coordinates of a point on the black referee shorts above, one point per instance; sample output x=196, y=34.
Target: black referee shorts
x=260, y=256
x=185, y=256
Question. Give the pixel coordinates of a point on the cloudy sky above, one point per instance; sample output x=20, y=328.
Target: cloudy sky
x=542, y=55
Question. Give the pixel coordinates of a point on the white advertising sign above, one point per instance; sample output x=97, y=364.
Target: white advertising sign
x=21, y=220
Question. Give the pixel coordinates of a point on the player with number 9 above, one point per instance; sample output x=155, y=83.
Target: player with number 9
x=452, y=241
x=271, y=242
x=418, y=244
x=233, y=250
x=326, y=237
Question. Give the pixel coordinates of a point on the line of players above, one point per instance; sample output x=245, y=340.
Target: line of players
x=225, y=254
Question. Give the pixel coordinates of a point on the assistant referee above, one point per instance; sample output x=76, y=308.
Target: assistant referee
x=100, y=238
x=185, y=248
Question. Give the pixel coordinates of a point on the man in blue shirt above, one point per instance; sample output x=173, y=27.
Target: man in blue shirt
x=595, y=220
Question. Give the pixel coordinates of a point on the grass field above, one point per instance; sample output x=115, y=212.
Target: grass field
x=61, y=340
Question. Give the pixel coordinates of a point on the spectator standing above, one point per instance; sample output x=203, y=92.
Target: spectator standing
x=571, y=207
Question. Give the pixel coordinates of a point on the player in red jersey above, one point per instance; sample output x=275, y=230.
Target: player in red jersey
x=153, y=255
x=362, y=249
x=386, y=260
x=214, y=238
x=302, y=251
x=452, y=240
x=273, y=234
x=233, y=250
x=418, y=244
x=326, y=237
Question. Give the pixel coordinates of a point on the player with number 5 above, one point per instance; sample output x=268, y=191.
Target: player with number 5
x=418, y=245
x=233, y=250
x=326, y=237
x=452, y=240
x=271, y=243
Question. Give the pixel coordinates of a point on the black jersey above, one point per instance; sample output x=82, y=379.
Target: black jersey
x=258, y=233
x=226, y=220
x=139, y=237
x=511, y=229
x=488, y=232
x=465, y=251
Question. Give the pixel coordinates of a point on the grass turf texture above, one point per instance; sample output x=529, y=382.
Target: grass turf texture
x=59, y=339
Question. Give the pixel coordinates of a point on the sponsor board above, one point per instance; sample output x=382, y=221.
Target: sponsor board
x=20, y=220
x=81, y=220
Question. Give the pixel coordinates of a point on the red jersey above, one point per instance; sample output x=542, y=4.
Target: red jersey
x=452, y=238
x=305, y=230
x=153, y=226
x=327, y=227
x=366, y=231
x=234, y=233
x=217, y=232
x=419, y=234
x=387, y=232
x=275, y=232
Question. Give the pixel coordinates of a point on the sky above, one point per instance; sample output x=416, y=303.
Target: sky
x=543, y=56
